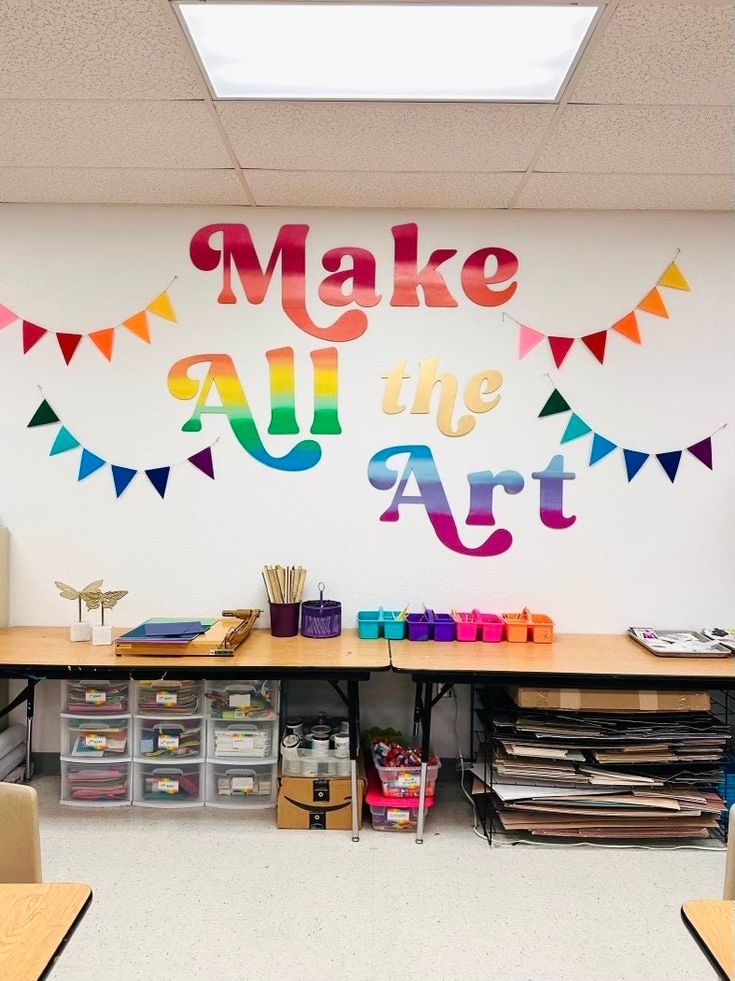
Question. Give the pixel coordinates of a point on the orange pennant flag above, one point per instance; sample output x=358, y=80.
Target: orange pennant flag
x=654, y=303
x=628, y=327
x=674, y=279
x=138, y=324
x=162, y=307
x=103, y=341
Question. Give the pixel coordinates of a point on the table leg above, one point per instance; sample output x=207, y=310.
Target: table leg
x=353, y=714
x=30, y=705
x=425, y=737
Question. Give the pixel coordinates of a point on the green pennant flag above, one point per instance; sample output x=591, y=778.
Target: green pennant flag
x=555, y=403
x=43, y=415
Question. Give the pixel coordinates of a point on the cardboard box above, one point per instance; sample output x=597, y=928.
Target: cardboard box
x=312, y=804
x=606, y=700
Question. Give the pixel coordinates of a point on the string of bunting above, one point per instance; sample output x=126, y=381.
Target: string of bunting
x=122, y=477
x=634, y=459
x=103, y=340
x=596, y=342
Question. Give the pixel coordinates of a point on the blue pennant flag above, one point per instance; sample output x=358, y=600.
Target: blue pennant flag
x=634, y=460
x=122, y=477
x=600, y=448
x=670, y=463
x=89, y=464
x=64, y=441
x=159, y=478
x=576, y=427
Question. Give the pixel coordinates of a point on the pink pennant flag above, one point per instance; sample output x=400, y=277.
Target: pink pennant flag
x=6, y=316
x=528, y=338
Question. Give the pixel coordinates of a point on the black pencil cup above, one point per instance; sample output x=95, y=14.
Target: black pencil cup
x=284, y=619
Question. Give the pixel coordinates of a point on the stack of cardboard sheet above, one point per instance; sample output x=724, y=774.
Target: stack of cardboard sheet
x=626, y=775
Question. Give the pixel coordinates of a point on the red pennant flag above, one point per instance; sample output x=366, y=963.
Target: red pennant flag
x=32, y=334
x=596, y=344
x=68, y=344
x=560, y=347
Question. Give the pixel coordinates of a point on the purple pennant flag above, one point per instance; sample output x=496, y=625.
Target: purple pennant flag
x=203, y=461
x=702, y=451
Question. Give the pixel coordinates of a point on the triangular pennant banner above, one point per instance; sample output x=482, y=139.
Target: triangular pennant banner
x=633, y=462
x=670, y=463
x=68, y=344
x=596, y=344
x=161, y=306
x=159, y=478
x=653, y=303
x=203, y=461
x=576, y=427
x=122, y=477
x=702, y=451
x=89, y=463
x=673, y=278
x=138, y=324
x=32, y=334
x=43, y=415
x=6, y=316
x=628, y=327
x=103, y=341
x=528, y=338
x=555, y=403
x=600, y=448
x=560, y=347
x=64, y=441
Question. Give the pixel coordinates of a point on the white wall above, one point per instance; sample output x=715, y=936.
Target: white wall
x=644, y=552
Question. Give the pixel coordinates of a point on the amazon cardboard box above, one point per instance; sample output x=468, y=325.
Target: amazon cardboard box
x=605, y=700
x=314, y=804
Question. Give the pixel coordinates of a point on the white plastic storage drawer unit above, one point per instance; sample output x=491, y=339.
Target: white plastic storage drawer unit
x=168, y=698
x=241, y=740
x=93, y=738
x=254, y=701
x=160, y=785
x=95, y=697
x=241, y=785
x=168, y=739
x=103, y=783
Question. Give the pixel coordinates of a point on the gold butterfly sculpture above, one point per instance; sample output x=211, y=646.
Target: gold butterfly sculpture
x=97, y=600
x=68, y=592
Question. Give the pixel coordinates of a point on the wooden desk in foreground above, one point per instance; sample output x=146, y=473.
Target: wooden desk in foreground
x=36, y=920
x=712, y=924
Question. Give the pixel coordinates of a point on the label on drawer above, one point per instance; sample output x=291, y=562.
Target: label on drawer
x=166, y=698
x=243, y=740
x=397, y=815
x=408, y=781
x=167, y=741
x=240, y=700
x=95, y=697
x=165, y=785
x=95, y=741
x=242, y=785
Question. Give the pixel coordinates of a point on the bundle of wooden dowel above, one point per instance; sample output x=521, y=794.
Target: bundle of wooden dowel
x=284, y=584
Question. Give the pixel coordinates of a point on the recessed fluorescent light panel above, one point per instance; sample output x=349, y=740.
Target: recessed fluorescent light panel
x=393, y=51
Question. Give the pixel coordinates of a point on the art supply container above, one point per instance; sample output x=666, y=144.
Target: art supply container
x=230, y=786
x=95, y=697
x=240, y=740
x=167, y=739
x=252, y=700
x=98, y=783
x=491, y=628
x=284, y=619
x=95, y=739
x=168, y=786
x=321, y=618
x=526, y=626
x=418, y=626
x=320, y=744
x=372, y=624
x=389, y=815
x=404, y=781
x=479, y=626
x=442, y=626
x=341, y=744
x=467, y=627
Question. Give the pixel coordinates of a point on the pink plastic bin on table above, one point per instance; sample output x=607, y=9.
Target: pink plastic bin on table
x=483, y=626
x=389, y=813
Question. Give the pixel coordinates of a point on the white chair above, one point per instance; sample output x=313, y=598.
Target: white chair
x=729, y=892
x=20, y=843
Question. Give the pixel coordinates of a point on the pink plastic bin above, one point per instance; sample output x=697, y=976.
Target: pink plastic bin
x=483, y=626
x=387, y=813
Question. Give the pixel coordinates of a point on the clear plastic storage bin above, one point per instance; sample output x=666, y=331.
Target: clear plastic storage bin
x=235, y=700
x=95, y=697
x=404, y=781
x=91, y=738
x=168, y=739
x=156, y=785
x=240, y=740
x=169, y=698
x=237, y=785
x=307, y=763
x=103, y=783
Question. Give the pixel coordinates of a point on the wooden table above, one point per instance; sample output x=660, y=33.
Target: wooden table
x=39, y=653
x=36, y=921
x=572, y=661
x=712, y=924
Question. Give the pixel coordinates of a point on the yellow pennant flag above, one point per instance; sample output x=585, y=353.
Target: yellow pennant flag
x=138, y=324
x=674, y=279
x=162, y=307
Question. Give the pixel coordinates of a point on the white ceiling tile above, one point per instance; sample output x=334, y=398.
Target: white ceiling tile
x=384, y=136
x=324, y=189
x=662, y=54
x=685, y=192
x=95, y=186
x=641, y=139
x=93, y=49
x=110, y=134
